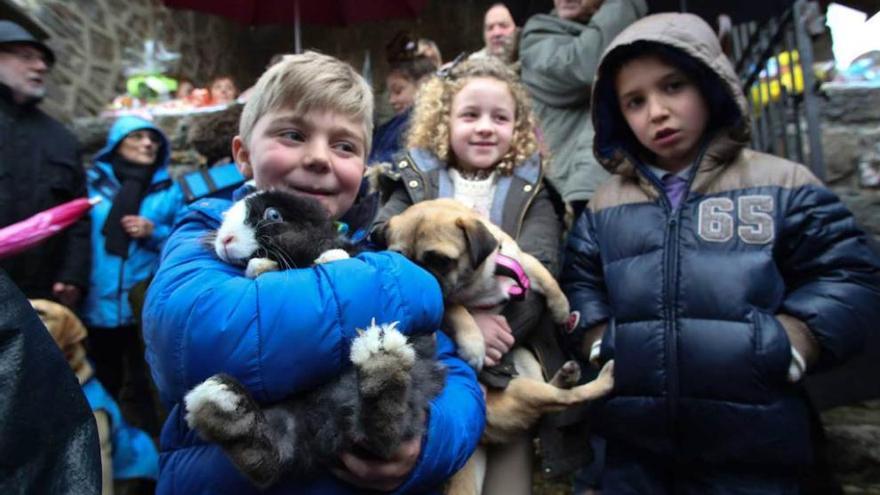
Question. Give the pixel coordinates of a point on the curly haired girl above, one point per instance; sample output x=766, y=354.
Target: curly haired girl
x=472, y=138
x=434, y=119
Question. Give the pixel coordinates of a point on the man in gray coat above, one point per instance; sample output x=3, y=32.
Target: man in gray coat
x=559, y=53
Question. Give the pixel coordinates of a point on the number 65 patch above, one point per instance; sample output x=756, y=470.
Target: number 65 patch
x=754, y=215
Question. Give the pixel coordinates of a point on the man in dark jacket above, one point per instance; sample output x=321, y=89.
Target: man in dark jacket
x=39, y=169
x=48, y=436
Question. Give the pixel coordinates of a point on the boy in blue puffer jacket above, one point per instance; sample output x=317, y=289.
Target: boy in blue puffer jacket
x=714, y=275
x=305, y=130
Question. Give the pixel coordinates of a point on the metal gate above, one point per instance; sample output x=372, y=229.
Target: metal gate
x=774, y=59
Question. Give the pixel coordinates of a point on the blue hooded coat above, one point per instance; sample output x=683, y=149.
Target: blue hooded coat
x=283, y=333
x=112, y=278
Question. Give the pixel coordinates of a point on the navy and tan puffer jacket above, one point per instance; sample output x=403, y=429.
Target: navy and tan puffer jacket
x=693, y=296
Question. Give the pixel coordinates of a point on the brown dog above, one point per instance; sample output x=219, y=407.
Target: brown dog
x=463, y=251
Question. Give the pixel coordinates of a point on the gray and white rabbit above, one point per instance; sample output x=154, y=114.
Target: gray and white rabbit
x=371, y=408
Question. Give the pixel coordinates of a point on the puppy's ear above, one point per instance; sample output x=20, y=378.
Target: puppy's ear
x=481, y=242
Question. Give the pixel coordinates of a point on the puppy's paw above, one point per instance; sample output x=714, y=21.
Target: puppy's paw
x=332, y=255
x=559, y=308
x=216, y=406
x=567, y=376
x=259, y=266
x=472, y=350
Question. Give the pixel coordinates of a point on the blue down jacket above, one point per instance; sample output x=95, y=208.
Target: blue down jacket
x=283, y=333
x=691, y=295
x=112, y=278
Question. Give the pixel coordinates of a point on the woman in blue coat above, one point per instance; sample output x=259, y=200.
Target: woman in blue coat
x=140, y=202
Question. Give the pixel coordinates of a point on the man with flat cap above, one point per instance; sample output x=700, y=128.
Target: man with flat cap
x=39, y=168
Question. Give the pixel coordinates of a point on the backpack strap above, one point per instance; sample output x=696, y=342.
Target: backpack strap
x=206, y=182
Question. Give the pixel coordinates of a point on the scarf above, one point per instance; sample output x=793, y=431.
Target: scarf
x=134, y=179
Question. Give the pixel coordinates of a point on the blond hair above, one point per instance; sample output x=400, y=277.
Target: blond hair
x=310, y=81
x=431, y=116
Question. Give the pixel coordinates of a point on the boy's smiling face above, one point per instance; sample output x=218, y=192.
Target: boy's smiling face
x=319, y=154
x=664, y=109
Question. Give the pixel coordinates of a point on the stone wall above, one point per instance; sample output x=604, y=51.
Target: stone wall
x=851, y=142
x=851, y=145
x=91, y=39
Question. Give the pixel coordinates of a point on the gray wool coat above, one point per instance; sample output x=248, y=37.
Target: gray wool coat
x=559, y=59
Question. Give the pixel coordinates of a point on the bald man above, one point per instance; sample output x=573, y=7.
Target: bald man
x=499, y=34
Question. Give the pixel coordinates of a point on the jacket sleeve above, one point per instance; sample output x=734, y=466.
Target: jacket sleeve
x=455, y=423
x=540, y=236
x=559, y=63
x=398, y=201
x=281, y=333
x=77, y=264
x=583, y=281
x=49, y=438
x=832, y=275
x=175, y=206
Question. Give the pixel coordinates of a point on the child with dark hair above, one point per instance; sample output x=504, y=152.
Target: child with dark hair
x=403, y=82
x=210, y=134
x=714, y=275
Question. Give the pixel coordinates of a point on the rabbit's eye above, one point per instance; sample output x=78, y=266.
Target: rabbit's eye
x=272, y=215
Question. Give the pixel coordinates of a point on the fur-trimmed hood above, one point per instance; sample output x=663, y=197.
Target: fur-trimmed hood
x=690, y=35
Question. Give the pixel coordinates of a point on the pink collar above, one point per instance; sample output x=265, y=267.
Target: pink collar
x=509, y=267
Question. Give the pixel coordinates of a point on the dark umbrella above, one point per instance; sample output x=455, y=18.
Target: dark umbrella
x=324, y=12
x=739, y=11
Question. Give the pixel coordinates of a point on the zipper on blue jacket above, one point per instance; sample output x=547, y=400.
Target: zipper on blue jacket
x=670, y=267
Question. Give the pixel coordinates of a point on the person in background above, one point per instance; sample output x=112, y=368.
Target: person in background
x=128, y=230
x=39, y=168
x=428, y=49
x=185, y=87
x=408, y=70
x=223, y=90
x=499, y=34
x=210, y=134
x=558, y=55
x=716, y=276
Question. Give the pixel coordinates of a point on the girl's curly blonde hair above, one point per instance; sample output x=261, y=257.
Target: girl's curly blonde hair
x=429, y=128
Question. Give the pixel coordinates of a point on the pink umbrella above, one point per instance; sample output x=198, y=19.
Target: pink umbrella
x=27, y=233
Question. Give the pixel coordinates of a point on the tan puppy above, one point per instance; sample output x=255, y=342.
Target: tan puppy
x=462, y=250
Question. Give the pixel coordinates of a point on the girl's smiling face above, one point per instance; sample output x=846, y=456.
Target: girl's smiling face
x=401, y=92
x=481, y=123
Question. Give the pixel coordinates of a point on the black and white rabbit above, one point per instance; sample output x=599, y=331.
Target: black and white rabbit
x=373, y=406
x=270, y=230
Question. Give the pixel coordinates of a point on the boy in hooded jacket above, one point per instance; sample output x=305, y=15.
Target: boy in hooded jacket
x=713, y=274
x=305, y=129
